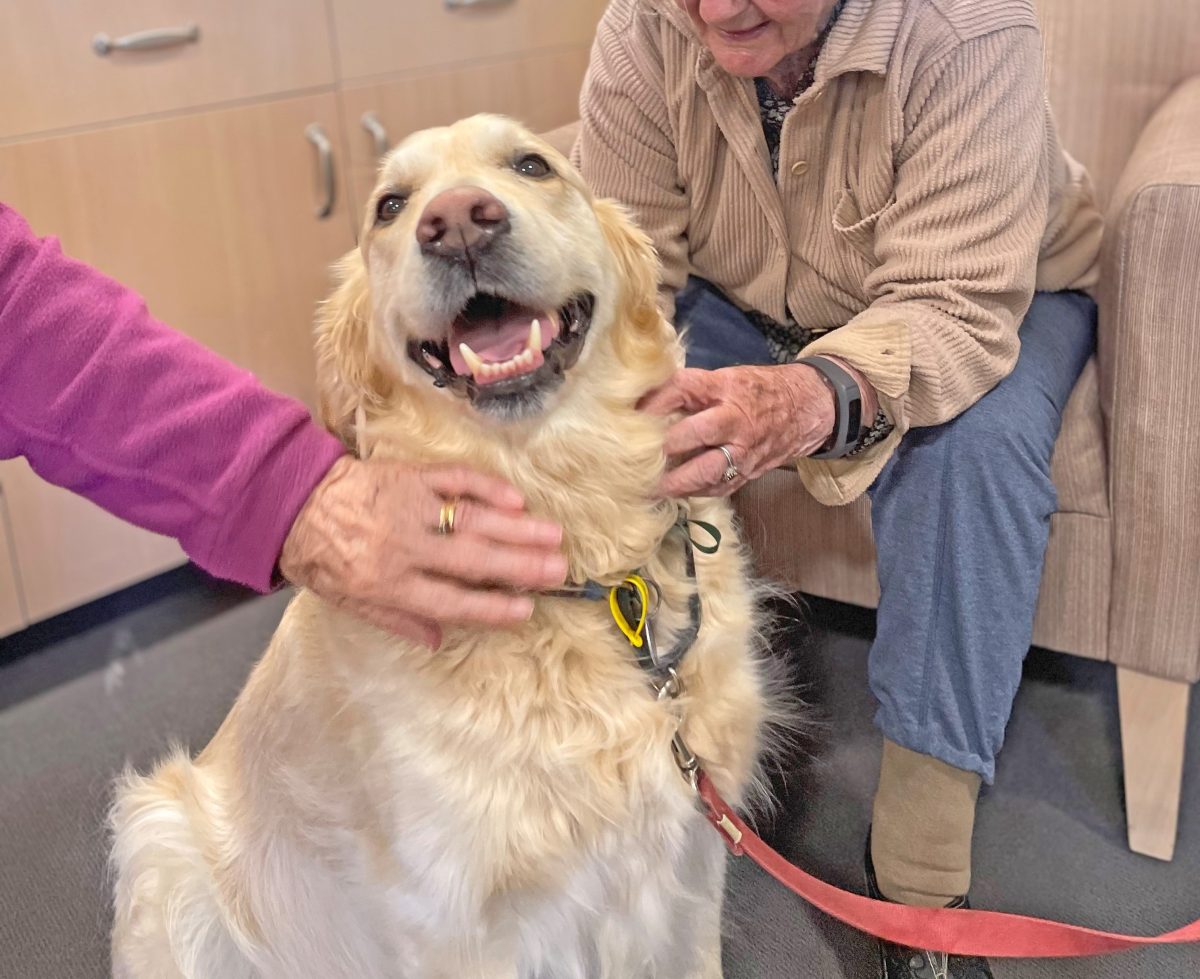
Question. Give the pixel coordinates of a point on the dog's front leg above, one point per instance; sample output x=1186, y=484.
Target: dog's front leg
x=709, y=963
x=708, y=924
x=697, y=929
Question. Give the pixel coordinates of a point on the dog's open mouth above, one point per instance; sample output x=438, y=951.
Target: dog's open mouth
x=504, y=355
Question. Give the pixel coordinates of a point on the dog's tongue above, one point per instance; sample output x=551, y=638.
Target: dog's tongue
x=498, y=336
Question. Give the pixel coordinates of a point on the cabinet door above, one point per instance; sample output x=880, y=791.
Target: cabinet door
x=541, y=90
x=68, y=551
x=211, y=216
x=378, y=37
x=240, y=49
x=12, y=613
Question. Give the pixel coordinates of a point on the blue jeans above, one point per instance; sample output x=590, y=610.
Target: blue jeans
x=961, y=516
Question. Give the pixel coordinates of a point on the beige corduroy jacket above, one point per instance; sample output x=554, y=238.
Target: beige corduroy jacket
x=922, y=193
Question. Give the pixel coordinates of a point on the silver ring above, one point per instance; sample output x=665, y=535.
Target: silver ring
x=731, y=469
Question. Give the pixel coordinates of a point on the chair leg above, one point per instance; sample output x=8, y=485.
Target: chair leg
x=1153, y=731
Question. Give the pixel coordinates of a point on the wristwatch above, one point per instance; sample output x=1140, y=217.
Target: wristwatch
x=847, y=406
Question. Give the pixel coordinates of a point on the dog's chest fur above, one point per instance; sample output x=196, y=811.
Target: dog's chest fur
x=516, y=751
x=515, y=774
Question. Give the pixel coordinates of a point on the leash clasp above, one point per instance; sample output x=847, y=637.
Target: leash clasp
x=686, y=760
x=670, y=687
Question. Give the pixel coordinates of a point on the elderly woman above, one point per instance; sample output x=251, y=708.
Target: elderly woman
x=877, y=246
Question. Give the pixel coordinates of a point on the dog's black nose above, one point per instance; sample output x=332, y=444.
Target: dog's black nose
x=465, y=219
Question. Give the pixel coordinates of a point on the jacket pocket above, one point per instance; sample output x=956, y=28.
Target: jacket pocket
x=854, y=226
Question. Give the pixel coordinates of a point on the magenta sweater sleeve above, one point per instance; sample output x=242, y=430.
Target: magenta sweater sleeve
x=106, y=401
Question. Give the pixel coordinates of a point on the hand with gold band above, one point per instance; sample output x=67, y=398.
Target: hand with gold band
x=413, y=549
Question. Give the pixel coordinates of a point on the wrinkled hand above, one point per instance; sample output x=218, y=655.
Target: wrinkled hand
x=766, y=416
x=367, y=542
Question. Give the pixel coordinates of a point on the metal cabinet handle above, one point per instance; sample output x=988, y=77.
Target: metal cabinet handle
x=370, y=122
x=452, y=4
x=316, y=135
x=161, y=37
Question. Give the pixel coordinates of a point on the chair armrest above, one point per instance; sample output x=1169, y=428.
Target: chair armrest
x=1151, y=234
x=1149, y=358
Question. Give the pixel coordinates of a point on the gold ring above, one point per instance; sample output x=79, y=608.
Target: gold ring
x=446, y=516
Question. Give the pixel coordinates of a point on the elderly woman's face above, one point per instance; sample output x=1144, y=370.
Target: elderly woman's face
x=750, y=37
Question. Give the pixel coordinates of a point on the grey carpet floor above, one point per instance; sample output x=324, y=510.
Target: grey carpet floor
x=76, y=707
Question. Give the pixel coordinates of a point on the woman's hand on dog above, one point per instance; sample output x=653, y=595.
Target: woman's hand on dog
x=766, y=417
x=367, y=542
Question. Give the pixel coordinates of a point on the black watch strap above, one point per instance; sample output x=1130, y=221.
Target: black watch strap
x=847, y=400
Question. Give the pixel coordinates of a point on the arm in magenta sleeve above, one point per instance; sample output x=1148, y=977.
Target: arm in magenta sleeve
x=106, y=401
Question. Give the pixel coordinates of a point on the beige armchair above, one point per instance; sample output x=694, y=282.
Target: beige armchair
x=1122, y=579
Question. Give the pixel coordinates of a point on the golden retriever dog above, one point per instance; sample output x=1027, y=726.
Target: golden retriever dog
x=508, y=806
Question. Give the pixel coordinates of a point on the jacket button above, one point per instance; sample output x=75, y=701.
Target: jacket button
x=799, y=168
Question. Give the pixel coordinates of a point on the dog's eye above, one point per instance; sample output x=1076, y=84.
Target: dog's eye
x=532, y=165
x=389, y=206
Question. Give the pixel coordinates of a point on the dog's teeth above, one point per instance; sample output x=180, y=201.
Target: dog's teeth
x=535, y=336
x=474, y=361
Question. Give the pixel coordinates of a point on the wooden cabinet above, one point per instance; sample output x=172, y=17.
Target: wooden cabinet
x=187, y=171
x=241, y=49
x=539, y=89
x=12, y=611
x=379, y=37
x=68, y=550
x=211, y=216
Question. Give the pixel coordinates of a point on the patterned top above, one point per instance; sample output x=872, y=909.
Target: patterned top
x=786, y=340
x=774, y=107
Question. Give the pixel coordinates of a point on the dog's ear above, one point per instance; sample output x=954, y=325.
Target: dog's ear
x=349, y=372
x=640, y=329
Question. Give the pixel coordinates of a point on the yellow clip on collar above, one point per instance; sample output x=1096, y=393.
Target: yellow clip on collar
x=632, y=633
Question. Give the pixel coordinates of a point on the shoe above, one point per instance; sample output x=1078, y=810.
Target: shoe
x=900, y=962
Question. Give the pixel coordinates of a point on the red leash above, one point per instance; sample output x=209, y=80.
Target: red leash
x=990, y=934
